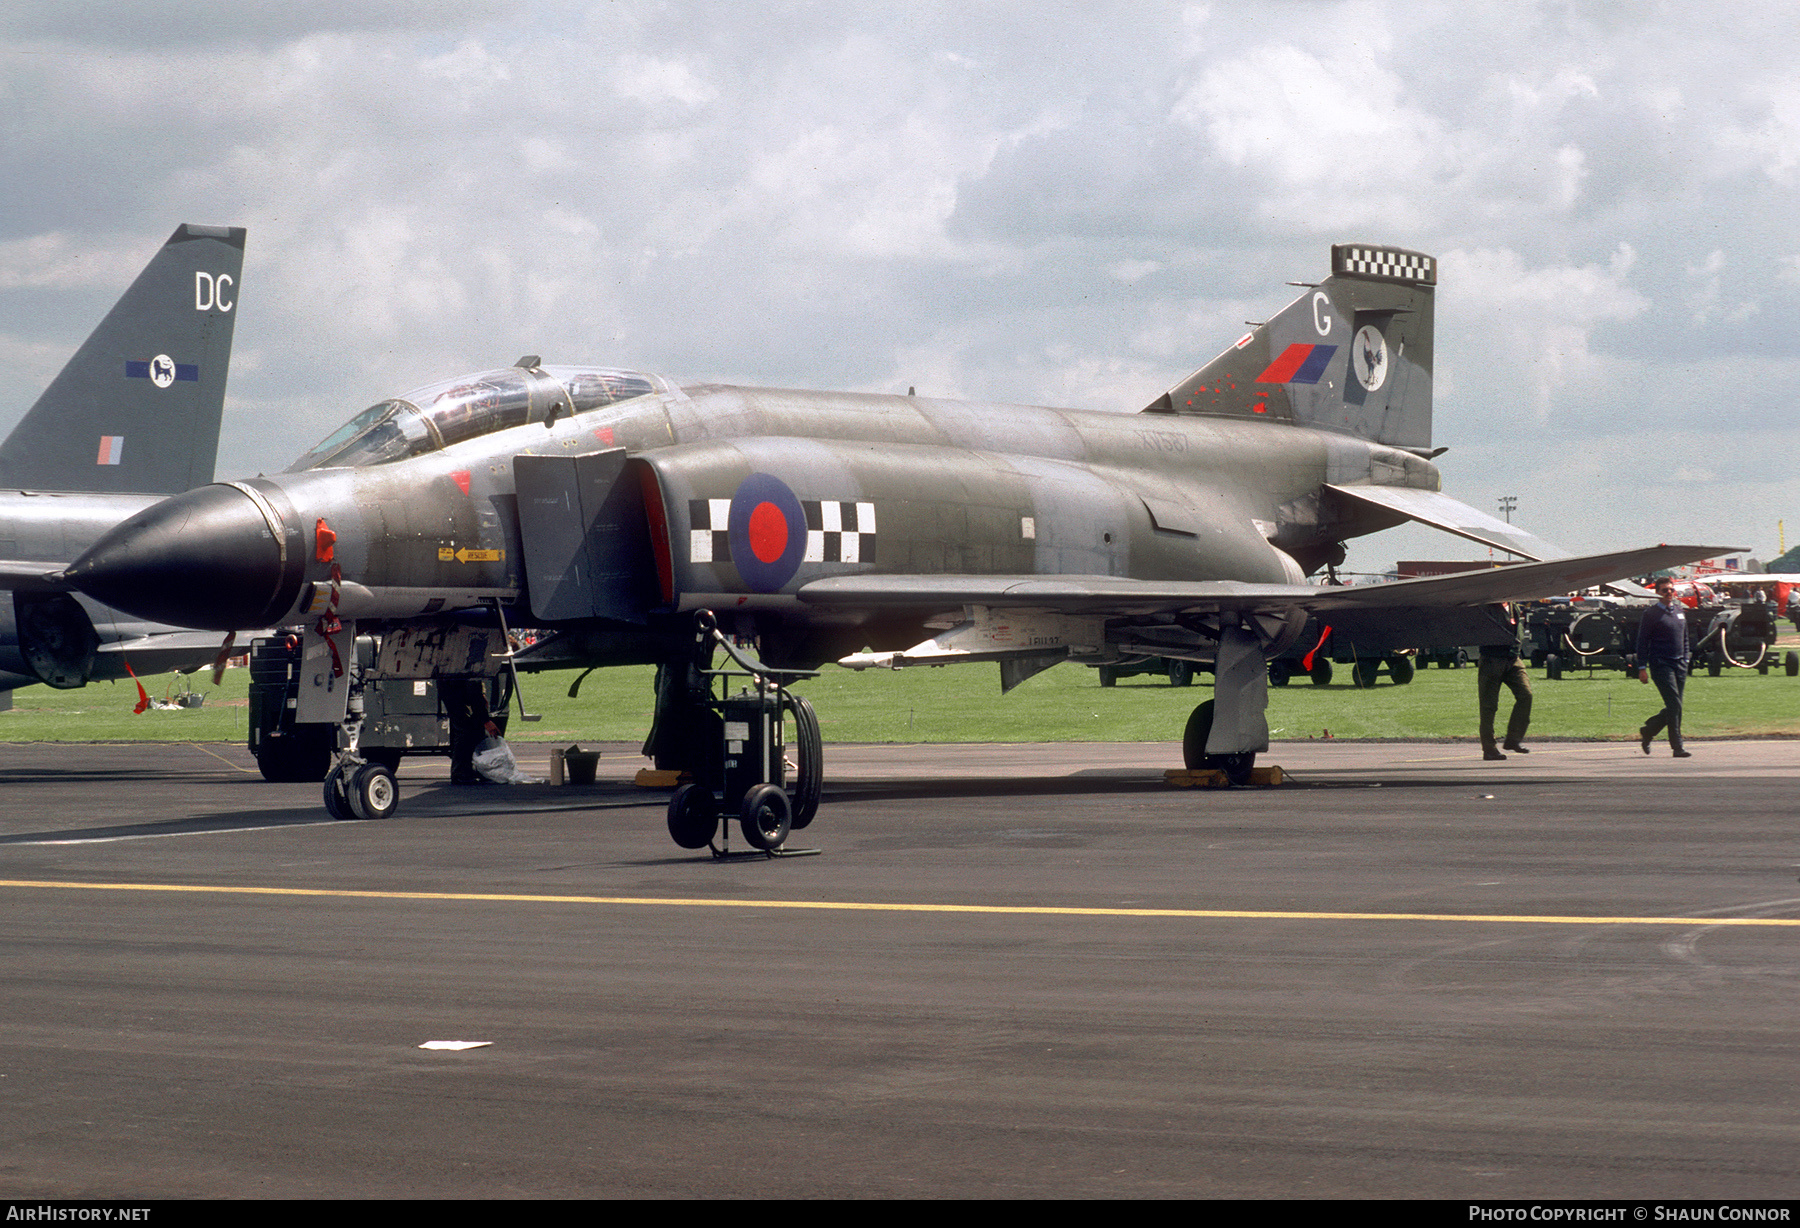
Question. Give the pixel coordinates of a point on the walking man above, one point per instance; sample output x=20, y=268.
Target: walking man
x=1662, y=654
x=1500, y=666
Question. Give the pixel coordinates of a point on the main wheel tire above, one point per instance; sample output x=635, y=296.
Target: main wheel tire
x=1364, y=672
x=766, y=817
x=693, y=818
x=337, y=798
x=1400, y=669
x=1237, y=767
x=1321, y=671
x=374, y=794
x=809, y=769
x=1792, y=664
x=1181, y=673
x=1193, y=737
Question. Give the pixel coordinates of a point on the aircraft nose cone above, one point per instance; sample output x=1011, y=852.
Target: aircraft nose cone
x=208, y=559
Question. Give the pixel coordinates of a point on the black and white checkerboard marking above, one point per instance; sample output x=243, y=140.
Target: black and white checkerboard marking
x=1389, y=263
x=709, y=537
x=839, y=531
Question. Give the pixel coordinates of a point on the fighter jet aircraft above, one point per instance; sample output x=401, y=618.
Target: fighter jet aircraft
x=133, y=417
x=610, y=506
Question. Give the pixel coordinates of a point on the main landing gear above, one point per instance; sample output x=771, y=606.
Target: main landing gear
x=1225, y=733
x=747, y=775
x=1236, y=766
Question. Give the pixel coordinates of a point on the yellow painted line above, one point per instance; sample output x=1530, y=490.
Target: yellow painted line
x=1006, y=910
x=222, y=759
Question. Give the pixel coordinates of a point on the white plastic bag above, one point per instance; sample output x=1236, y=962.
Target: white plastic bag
x=494, y=760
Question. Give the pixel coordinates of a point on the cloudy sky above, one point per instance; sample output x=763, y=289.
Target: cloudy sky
x=1065, y=204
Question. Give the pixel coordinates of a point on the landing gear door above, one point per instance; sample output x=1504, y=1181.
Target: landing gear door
x=325, y=665
x=585, y=538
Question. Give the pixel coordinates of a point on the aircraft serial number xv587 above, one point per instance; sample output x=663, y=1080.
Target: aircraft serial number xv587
x=609, y=506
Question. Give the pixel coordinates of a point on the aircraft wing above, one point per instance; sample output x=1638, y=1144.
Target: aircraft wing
x=187, y=642
x=1440, y=511
x=32, y=575
x=1114, y=596
x=159, y=652
x=1102, y=595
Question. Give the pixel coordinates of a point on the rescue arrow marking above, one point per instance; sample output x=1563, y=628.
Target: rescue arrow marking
x=1233, y=914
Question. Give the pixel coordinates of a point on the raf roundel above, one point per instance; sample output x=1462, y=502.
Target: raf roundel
x=768, y=532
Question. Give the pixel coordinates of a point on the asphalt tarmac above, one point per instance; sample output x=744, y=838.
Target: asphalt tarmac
x=1018, y=971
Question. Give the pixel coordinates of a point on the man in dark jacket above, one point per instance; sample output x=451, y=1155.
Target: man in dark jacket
x=1500, y=666
x=1662, y=656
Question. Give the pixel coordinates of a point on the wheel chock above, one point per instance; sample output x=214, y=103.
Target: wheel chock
x=1209, y=778
x=654, y=778
x=1195, y=778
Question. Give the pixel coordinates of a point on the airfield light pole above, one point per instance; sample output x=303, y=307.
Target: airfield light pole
x=1507, y=504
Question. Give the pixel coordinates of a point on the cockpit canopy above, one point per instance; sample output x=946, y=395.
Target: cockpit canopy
x=439, y=415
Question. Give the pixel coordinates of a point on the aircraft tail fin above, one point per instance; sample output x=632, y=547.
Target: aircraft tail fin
x=137, y=409
x=1352, y=354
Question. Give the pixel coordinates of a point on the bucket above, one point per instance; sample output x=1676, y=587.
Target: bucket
x=581, y=765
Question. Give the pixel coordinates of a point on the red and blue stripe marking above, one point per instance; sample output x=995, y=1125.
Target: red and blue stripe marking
x=1298, y=364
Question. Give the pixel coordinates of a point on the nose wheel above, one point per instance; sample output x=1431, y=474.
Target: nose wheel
x=356, y=790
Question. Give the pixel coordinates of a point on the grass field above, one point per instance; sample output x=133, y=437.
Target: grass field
x=964, y=704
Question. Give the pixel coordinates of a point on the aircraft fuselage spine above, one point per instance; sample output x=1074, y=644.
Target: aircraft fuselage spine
x=939, y=488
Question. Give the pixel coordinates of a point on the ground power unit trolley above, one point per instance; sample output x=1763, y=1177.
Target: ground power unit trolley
x=748, y=774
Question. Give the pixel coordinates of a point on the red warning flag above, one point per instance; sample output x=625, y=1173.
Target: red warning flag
x=218, y=674
x=143, y=703
x=1306, y=662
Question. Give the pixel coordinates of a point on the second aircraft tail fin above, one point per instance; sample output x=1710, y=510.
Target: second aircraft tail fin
x=137, y=409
